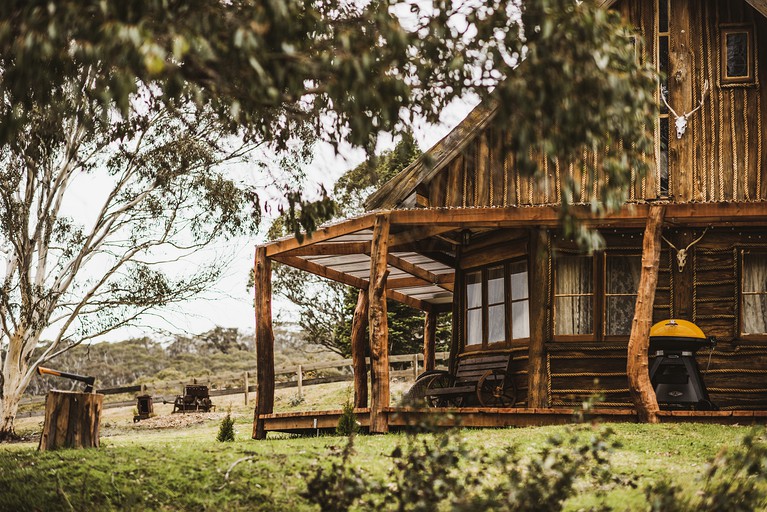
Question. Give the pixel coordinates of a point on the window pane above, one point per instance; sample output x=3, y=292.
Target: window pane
x=520, y=320
x=574, y=275
x=755, y=314
x=495, y=285
x=737, y=54
x=619, y=315
x=496, y=323
x=755, y=294
x=474, y=289
x=573, y=315
x=623, y=274
x=662, y=15
x=664, y=156
x=519, y=280
x=474, y=327
x=754, y=273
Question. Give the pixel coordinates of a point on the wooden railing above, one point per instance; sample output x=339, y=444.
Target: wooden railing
x=293, y=376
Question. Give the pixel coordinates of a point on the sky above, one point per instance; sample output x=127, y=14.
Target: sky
x=228, y=303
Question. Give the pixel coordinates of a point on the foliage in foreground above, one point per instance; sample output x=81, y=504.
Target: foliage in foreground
x=443, y=473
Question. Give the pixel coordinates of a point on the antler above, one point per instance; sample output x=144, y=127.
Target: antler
x=697, y=239
x=702, y=99
x=663, y=91
x=669, y=243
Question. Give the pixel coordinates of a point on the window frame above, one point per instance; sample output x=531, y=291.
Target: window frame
x=605, y=295
x=761, y=337
x=485, y=306
x=599, y=287
x=725, y=29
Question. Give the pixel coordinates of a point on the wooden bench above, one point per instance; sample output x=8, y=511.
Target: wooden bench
x=488, y=378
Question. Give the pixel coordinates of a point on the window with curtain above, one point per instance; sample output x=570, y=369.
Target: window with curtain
x=622, y=273
x=497, y=304
x=754, y=294
x=574, y=295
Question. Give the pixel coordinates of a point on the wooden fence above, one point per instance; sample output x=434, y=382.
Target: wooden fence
x=294, y=376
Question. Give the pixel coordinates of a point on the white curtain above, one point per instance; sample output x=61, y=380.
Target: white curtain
x=754, y=294
x=574, y=302
x=622, y=284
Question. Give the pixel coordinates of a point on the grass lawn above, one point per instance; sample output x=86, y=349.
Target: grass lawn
x=184, y=468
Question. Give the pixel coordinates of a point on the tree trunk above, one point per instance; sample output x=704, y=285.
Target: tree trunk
x=642, y=393
x=13, y=385
x=429, y=340
x=264, y=342
x=71, y=420
x=359, y=342
x=379, y=327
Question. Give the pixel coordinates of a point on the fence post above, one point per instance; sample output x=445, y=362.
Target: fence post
x=300, y=375
x=415, y=366
x=246, y=388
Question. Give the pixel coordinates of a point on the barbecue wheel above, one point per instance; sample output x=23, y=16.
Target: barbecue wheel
x=494, y=389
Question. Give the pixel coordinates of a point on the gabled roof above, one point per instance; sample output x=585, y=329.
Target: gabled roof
x=426, y=166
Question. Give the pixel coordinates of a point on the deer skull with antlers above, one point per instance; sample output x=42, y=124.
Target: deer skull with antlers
x=681, y=121
x=681, y=254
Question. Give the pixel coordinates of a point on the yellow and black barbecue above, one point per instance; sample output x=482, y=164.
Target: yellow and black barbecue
x=674, y=372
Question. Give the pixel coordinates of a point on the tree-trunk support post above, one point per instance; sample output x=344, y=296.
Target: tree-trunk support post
x=359, y=343
x=378, y=326
x=429, y=340
x=536, y=372
x=640, y=387
x=264, y=342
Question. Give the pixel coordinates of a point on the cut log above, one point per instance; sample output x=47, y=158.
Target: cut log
x=429, y=340
x=359, y=342
x=264, y=342
x=640, y=387
x=379, y=327
x=537, y=378
x=71, y=420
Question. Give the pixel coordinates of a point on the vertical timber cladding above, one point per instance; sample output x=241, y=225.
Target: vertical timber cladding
x=735, y=375
x=587, y=365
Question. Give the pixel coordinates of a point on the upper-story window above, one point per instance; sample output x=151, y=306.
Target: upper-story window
x=737, y=55
x=663, y=121
x=497, y=304
x=754, y=294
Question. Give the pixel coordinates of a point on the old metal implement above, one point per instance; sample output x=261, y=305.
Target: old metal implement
x=89, y=381
x=195, y=398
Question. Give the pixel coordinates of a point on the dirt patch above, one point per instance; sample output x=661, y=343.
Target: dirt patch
x=178, y=420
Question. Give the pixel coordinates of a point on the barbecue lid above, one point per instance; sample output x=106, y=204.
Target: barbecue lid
x=676, y=329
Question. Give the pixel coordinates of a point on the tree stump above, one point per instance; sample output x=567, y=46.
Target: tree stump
x=71, y=420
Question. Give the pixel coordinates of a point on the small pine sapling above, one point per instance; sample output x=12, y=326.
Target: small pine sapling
x=226, y=429
x=347, y=423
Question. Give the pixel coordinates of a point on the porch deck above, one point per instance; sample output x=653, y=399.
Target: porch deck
x=401, y=418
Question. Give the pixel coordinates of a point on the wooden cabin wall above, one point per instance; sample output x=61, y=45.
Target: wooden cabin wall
x=706, y=292
x=719, y=158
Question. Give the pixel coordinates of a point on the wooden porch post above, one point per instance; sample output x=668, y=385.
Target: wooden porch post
x=429, y=340
x=359, y=324
x=642, y=393
x=378, y=326
x=537, y=395
x=264, y=342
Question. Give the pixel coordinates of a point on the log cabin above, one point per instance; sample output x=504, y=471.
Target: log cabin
x=461, y=230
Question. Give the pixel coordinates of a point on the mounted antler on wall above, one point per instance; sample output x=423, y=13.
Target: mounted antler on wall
x=681, y=121
x=681, y=254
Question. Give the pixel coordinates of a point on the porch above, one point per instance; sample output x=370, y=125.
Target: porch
x=403, y=418
x=418, y=257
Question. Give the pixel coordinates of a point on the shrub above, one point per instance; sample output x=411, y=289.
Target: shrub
x=347, y=423
x=226, y=429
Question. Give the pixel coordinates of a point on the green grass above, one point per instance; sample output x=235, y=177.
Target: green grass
x=185, y=469
x=139, y=468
